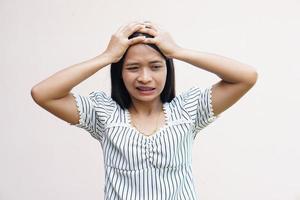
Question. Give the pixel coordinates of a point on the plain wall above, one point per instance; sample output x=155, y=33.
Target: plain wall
x=251, y=152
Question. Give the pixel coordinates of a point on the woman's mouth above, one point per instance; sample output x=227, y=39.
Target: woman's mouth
x=145, y=90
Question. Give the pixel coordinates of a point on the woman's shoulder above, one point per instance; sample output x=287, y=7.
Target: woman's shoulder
x=190, y=94
x=183, y=94
x=102, y=99
x=97, y=95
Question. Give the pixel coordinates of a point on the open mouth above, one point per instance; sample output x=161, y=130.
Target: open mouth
x=145, y=88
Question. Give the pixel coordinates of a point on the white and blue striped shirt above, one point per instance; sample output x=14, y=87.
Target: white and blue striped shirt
x=140, y=167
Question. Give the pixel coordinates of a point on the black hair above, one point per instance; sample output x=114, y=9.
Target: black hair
x=119, y=92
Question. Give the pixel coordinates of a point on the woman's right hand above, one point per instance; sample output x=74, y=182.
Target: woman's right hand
x=119, y=41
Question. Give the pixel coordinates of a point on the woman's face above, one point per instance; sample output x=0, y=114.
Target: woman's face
x=144, y=73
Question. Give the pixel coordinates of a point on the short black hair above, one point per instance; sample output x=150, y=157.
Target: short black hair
x=119, y=92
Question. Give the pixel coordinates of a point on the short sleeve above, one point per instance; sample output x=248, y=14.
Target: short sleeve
x=94, y=110
x=198, y=103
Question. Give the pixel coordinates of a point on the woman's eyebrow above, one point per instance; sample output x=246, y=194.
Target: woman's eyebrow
x=155, y=61
x=133, y=63
x=136, y=63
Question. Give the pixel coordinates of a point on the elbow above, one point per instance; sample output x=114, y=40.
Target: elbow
x=252, y=78
x=35, y=95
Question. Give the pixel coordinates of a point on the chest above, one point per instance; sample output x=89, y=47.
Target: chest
x=126, y=148
x=148, y=125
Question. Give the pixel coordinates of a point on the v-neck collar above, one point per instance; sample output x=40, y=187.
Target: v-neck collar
x=156, y=133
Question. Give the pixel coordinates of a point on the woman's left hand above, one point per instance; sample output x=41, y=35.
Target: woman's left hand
x=162, y=39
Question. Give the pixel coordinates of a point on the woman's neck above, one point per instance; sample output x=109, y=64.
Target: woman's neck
x=146, y=108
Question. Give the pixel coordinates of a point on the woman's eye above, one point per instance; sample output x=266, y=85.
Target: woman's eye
x=132, y=68
x=156, y=66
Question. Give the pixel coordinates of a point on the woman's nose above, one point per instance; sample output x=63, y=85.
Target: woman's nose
x=145, y=75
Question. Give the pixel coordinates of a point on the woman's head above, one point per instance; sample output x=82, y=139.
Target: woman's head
x=142, y=65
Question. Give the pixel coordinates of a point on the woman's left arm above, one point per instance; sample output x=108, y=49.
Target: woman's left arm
x=237, y=78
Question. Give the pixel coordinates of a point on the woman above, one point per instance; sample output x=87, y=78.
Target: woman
x=145, y=131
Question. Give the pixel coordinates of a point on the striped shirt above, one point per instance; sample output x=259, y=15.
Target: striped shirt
x=140, y=167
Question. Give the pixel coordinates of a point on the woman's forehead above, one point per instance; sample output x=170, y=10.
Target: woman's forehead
x=136, y=62
x=142, y=53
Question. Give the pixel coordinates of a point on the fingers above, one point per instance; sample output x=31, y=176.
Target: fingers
x=142, y=39
x=149, y=31
x=144, y=27
x=150, y=41
x=151, y=25
x=139, y=39
x=131, y=28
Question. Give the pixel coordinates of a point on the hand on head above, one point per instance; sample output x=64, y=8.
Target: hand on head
x=161, y=38
x=119, y=41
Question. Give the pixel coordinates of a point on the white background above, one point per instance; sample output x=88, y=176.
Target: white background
x=251, y=152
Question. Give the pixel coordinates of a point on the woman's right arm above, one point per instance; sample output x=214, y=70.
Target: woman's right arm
x=53, y=94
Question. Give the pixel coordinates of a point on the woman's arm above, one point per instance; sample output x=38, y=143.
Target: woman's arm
x=237, y=78
x=53, y=93
x=61, y=83
x=227, y=69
